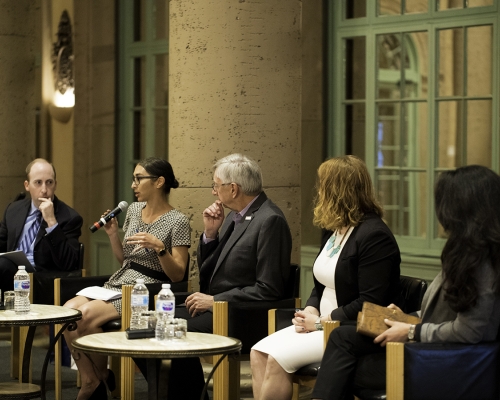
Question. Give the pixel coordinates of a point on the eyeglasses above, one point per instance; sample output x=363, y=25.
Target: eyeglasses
x=216, y=186
x=136, y=180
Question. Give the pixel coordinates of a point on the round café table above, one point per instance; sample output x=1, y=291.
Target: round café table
x=195, y=345
x=39, y=314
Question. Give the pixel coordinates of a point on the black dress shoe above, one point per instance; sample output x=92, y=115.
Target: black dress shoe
x=111, y=382
x=100, y=392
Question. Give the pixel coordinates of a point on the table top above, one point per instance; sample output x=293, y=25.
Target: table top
x=40, y=314
x=195, y=345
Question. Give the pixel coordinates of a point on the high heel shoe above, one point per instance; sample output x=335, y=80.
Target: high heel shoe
x=100, y=392
x=110, y=381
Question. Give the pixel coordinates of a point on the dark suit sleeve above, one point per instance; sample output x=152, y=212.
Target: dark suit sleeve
x=377, y=257
x=63, y=245
x=274, y=244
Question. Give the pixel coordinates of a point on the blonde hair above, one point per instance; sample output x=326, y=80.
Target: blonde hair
x=345, y=193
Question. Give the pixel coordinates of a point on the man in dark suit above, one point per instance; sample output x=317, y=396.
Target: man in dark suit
x=242, y=257
x=44, y=227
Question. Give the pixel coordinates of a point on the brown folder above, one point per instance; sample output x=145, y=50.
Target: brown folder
x=371, y=319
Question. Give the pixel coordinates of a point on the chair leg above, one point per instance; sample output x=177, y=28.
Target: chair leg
x=296, y=390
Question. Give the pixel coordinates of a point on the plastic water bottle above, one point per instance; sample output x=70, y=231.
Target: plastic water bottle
x=165, y=302
x=22, y=291
x=140, y=303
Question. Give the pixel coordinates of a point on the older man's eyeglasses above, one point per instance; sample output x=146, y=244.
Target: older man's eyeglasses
x=136, y=180
x=216, y=187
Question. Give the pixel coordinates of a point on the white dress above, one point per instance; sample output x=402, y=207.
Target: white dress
x=293, y=350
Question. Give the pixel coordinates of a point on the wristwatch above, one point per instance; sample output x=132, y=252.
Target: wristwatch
x=162, y=252
x=318, y=325
x=411, y=332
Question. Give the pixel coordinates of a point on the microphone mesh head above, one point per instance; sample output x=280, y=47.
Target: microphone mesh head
x=123, y=205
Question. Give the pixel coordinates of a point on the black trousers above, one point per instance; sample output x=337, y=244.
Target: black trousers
x=186, y=379
x=339, y=370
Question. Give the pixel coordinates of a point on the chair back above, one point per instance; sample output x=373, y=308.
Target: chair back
x=412, y=290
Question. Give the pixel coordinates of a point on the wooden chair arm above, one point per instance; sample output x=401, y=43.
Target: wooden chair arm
x=328, y=327
x=395, y=371
x=126, y=305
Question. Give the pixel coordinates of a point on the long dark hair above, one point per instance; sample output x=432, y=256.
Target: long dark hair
x=467, y=206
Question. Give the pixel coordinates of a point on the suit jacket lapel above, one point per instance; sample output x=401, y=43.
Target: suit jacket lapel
x=240, y=228
x=20, y=220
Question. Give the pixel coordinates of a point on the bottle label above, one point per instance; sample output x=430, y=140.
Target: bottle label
x=21, y=285
x=166, y=306
x=140, y=300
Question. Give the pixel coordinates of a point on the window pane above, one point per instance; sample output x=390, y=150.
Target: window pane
x=479, y=60
x=355, y=121
x=355, y=9
x=161, y=19
x=139, y=20
x=403, y=195
x=479, y=3
x=416, y=56
x=161, y=80
x=388, y=135
x=415, y=139
x=450, y=4
x=355, y=68
x=389, y=66
x=451, y=62
x=449, y=149
x=389, y=7
x=479, y=132
x=416, y=6
x=139, y=81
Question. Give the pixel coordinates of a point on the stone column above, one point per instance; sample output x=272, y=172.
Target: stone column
x=20, y=93
x=235, y=86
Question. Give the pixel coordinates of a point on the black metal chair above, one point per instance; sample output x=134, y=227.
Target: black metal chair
x=247, y=321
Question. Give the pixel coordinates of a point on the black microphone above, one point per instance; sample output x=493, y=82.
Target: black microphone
x=122, y=206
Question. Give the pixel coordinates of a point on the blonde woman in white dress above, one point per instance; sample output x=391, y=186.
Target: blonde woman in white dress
x=359, y=261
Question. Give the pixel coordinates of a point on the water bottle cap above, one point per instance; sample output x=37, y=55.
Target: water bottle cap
x=22, y=267
x=140, y=280
x=165, y=286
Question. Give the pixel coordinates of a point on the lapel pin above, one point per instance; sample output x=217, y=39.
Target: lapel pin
x=248, y=218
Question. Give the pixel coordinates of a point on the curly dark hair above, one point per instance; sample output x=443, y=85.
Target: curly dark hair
x=467, y=206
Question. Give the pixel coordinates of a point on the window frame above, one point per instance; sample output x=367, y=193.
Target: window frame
x=371, y=26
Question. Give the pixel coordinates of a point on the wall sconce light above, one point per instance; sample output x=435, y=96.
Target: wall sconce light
x=62, y=60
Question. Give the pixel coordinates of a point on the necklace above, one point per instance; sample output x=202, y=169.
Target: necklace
x=331, y=243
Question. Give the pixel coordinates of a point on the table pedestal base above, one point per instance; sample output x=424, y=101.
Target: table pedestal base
x=15, y=390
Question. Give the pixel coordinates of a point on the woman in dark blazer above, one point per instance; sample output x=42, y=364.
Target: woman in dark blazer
x=462, y=304
x=359, y=261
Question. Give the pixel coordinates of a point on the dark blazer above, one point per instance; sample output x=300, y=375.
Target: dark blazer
x=367, y=270
x=58, y=250
x=255, y=262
